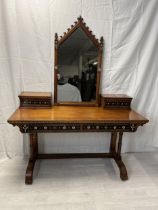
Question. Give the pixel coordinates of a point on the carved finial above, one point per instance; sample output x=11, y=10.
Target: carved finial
x=82, y=24
x=80, y=18
x=56, y=37
x=101, y=41
x=56, y=41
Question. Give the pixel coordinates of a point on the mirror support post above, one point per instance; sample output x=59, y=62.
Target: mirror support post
x=99, y=69
x=55, y=67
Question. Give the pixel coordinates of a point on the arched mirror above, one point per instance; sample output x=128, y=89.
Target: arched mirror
x=78, y=61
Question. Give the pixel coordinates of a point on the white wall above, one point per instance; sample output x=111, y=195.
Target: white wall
x=130, y=60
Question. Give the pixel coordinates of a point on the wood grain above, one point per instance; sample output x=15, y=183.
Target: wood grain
x=115, y=96
x=76, y=114
x=35, y=94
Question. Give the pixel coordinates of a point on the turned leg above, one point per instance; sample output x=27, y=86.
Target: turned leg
x=115, y=150
x=32, y=159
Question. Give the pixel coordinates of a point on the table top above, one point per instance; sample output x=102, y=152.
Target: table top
x=123, y=96
x=35, y=94
x=75, y=114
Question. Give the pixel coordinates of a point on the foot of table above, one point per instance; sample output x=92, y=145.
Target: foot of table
x=115, y=149
x=122, y=168
x=29, y=172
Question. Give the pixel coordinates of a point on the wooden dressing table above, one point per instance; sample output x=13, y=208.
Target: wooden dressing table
x=76, y=119
x=106, y=113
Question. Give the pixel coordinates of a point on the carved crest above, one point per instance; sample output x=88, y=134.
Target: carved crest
x=79, y=24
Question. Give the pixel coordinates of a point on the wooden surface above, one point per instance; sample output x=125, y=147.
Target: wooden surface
x=35, y=99
x=36, y=120
x=115, y=96
x=35, y=94
x=78, y=114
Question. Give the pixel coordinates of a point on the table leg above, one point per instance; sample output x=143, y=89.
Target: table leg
x=115, y=149
x=113, y=143
x=32, y=159
x=115, y=152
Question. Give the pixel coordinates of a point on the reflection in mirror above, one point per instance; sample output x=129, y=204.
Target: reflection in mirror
x=77, y=68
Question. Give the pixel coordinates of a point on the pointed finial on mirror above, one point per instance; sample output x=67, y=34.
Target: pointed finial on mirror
x=56, y=37
x=79, y=24
x=80, y=18
x=56, y=40
x=101, y=41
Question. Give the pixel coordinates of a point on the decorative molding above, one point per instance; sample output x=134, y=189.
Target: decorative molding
x=35, y=103
x=29, y=127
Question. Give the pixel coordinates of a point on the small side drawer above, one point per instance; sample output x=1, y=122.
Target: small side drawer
x=35, y=99
x=116, y=101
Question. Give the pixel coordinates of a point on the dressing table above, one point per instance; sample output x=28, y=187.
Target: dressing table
x=77, y=68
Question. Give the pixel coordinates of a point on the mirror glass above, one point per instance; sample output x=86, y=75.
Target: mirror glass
x=77, y=69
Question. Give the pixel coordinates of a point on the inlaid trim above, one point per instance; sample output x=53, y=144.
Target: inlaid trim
x=77, y=127
x=35, y=99
x=116, y=102
x=31, y=102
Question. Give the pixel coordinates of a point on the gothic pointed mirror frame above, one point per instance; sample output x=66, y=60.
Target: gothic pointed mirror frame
x=58, y=42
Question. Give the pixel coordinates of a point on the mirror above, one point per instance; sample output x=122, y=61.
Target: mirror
x=77, y=66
